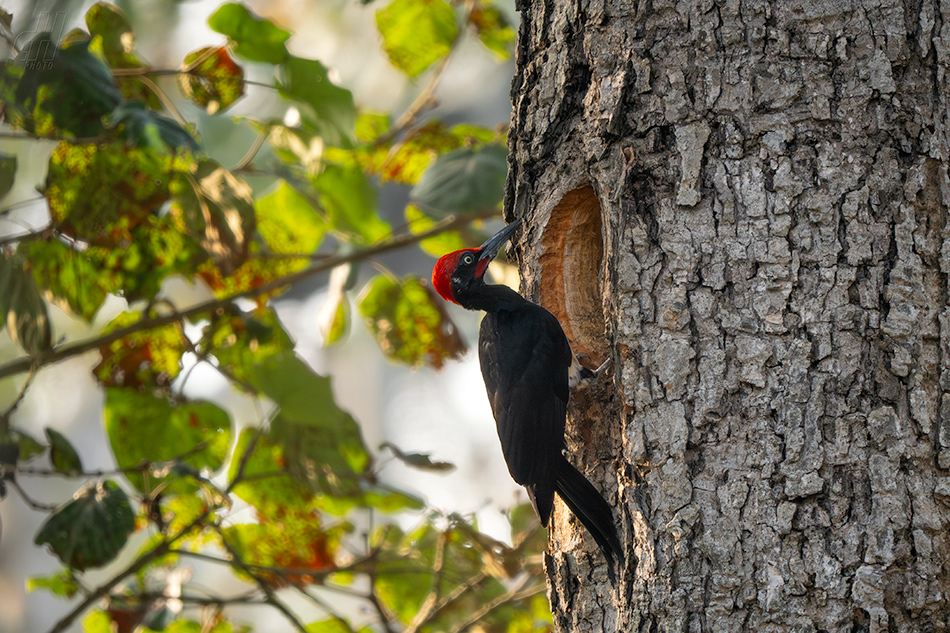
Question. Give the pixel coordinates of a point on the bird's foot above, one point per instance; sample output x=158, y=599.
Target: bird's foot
x=603, y=367
x=580, y=375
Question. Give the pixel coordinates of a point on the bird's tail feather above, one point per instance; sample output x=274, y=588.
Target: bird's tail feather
x=589, y=506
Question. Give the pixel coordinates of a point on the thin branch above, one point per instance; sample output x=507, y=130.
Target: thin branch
x=252, y=152
x=328, y=610
x=144, y=70
x=245, y=458
x=246, y=598
x=74, y=349
x=28, y=500
x=510, y=596
x=4, y=419
x=158, y=92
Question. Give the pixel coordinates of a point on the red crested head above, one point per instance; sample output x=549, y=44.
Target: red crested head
x=447, y=266
x=462, y=271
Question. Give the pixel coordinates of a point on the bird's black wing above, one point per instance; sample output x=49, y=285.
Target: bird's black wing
x=525, y=358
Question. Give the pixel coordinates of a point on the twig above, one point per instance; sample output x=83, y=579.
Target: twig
x=510, y=596
x=246, y=598
x=252, y=152
x=68, y=351
x=336, y=617
x=28, y=500
x=4, y=419
x=245, y=458
x=158, y=92
x=280, y=571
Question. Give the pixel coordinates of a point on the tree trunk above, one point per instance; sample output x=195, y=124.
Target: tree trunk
x=745, y=206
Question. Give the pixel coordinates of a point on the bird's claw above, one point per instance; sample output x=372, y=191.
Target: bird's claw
x=580, y=375
x=603, y=367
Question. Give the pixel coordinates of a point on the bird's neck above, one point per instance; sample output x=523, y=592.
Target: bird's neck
x=490, y=298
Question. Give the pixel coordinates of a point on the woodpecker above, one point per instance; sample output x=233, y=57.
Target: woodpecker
x=526, y=362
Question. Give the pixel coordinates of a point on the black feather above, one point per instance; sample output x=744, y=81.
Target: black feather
x=525, y=360
x=587, y=505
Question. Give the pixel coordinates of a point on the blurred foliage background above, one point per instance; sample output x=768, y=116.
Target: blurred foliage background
x=177, y=180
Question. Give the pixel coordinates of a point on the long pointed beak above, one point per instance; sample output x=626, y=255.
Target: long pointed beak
x=492, y=245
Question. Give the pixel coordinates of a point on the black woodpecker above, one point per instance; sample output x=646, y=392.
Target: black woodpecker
x=526, y=362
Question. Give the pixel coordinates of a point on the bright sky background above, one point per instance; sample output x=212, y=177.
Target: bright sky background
x=442, y=413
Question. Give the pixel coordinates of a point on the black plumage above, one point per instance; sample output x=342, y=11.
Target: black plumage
x=526, y=361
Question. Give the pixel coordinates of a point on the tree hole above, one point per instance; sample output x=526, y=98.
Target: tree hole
x=572, y=272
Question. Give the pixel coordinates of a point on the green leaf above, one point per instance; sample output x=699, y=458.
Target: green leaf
x=350, y=201
x=7, y=173
x=144, y=128
x=211, y=79
x=99, y=193
x=62, y=584
x=266, y=485
x=295, y=541
x=27, y=447
x=410, y=322
x=387, y=499
x=317, y=437
x=152, y=251
x=22, y=306
x=258, y=270
x=68, y=96
x=149, y=359
x=421, y=461
x=406, y=161
x=416, y=33
x=240, y=340
x=90, y=530
x=437, y=245
x=334, y=626
x=97, y=622
x=493, y=29
x=107, y=23
x=74, y=282
x=189, y=626
x=336, y=324
x=62, y=455
x=215, y=207
x=145, y=428
x=325, y=109
x=252, y=37
x=288, y=222
x=463, y=181
x=405, y=571
x=112, y=37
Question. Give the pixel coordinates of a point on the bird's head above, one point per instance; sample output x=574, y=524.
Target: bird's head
x=458, y=271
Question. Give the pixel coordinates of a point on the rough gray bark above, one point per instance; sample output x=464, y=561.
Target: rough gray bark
x=745, y=206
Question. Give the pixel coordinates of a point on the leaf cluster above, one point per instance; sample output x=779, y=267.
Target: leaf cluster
x=292, y=502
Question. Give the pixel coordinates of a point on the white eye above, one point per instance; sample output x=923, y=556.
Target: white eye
x=467, y=259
